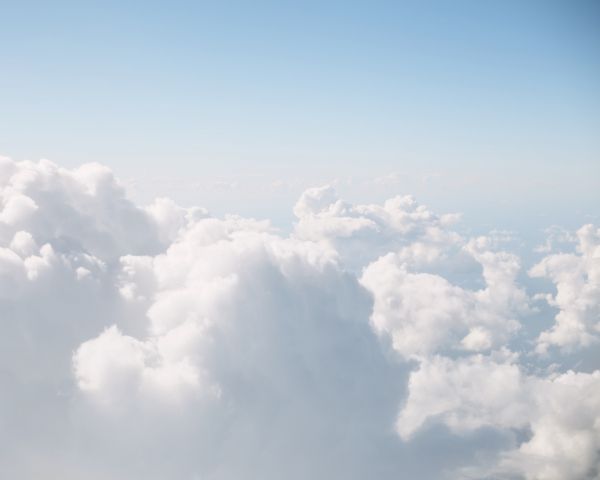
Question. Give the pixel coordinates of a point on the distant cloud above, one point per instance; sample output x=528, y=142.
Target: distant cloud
x=391, y=179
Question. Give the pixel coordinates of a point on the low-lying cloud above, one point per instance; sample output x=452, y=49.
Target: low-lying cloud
x=373, y=341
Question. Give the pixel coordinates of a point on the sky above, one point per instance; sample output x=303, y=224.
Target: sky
x=329, y=240
x=466, y=103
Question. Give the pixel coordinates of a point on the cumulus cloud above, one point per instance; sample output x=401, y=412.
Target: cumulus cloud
x=361, y=233
x=83, y=209
x=558, y=413
x=424, y=313
x=576, y=277
x=160, y=342
x=265, y=342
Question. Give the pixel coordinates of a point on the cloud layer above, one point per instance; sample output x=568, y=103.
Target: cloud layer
x=373, y=341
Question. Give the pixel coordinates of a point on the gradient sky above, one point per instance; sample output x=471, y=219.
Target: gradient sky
x=238, y=106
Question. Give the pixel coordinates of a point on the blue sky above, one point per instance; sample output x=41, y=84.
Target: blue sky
x=475, y=106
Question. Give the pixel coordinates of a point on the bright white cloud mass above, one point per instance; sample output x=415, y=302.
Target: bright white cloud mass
x=371, y=341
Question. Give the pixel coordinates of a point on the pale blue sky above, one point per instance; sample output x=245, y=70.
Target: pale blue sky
x=492, y=108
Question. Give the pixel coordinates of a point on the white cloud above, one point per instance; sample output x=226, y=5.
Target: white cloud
x=361, y=233
x=424, y=313
x=160, y=342
x=83, y=209
x=576, y=277
x=464, y=394
x=558, y=412
x=263, y=338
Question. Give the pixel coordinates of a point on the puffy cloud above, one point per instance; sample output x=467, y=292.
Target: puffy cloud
x=160, y=342
x=264, y=341
x=116, y=368
x=74, y=210
x=464, y=394
x=361, y=233
x=274, y=328
x=557, y=413
x=576, y=277
x=218, y=343
x=424, y=313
